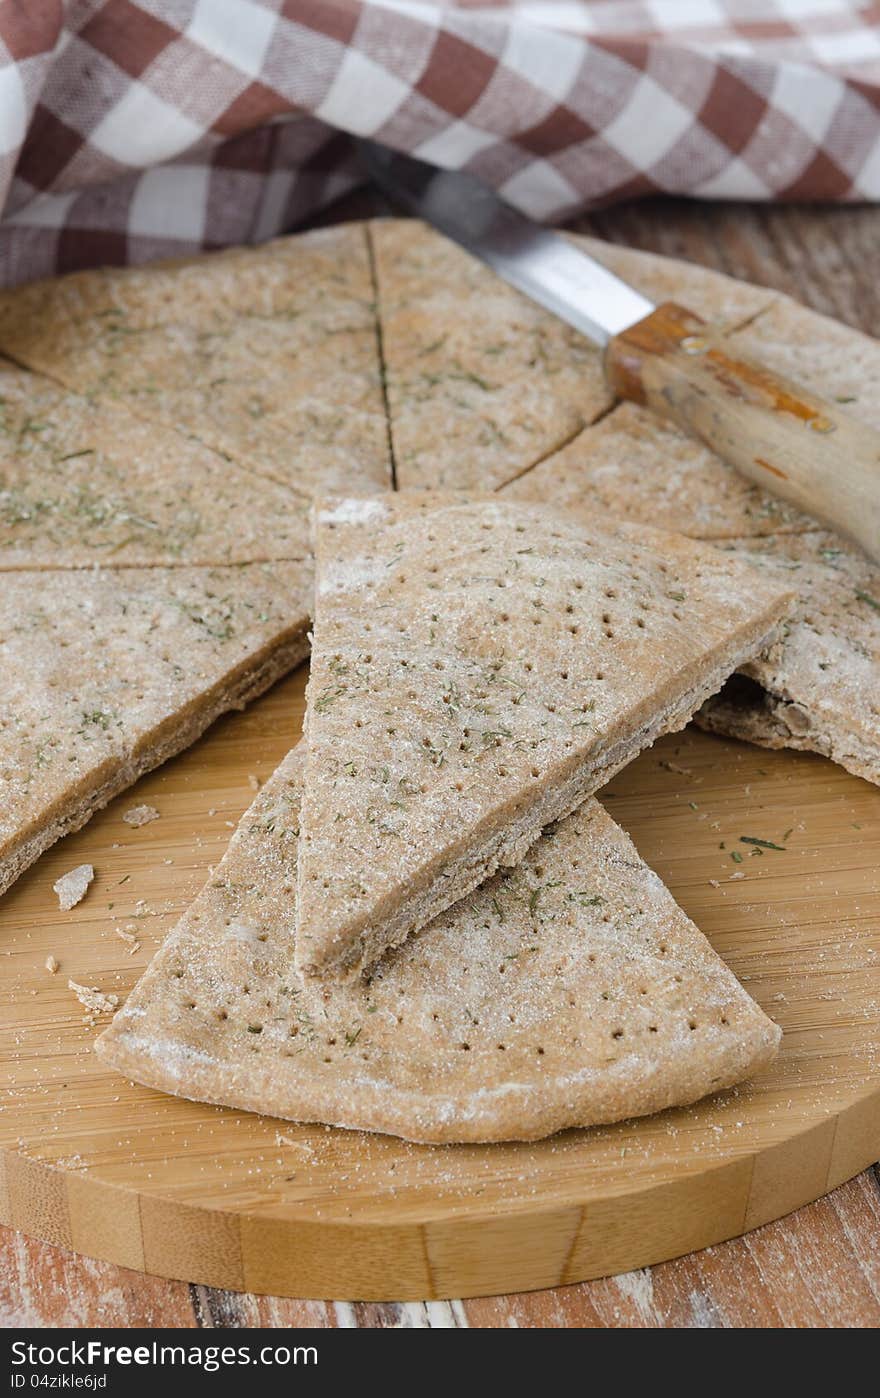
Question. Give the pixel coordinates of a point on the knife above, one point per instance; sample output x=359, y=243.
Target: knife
x=779, y=434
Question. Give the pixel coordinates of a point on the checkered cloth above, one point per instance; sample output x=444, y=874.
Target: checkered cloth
x=133, y=129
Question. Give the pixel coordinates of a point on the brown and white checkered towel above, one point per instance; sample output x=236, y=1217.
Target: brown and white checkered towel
x=132, y=129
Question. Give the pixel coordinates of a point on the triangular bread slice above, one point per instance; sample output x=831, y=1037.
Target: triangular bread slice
x=86, y=483
x=818, y=687
x=481, y=382
x=269, y=355
x=479, y=667
x=106, y=673
x=570, y=992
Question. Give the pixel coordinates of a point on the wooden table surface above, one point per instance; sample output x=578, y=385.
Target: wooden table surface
x=818, y=1267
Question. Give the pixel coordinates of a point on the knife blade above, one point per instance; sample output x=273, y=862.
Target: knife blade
x=537, y=261
x=779, y=434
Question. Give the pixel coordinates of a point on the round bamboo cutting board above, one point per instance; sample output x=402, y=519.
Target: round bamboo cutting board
x=184, y=1190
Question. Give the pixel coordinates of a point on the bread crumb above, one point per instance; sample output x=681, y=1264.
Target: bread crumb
x=128, y=935
x=94, y=1000
x=71, y=887
x=254, y=781
x=51, y=965
x=140, y=815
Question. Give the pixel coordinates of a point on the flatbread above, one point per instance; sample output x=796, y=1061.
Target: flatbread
x=269, y=355
x=818, y=687
x=85, y=483
x=482, y=383
x=636, y=466
x=479, y=667
x=570, y=992
x=105, y=674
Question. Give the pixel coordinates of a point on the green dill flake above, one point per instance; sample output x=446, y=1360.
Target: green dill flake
x=764, y=844
x=96, y=719
x=352, y=1036
x=492, y=737
x=498, y=908
x=677, y=596
x=736, y=856
x=787, y=834
x=533, y=902
x=328, y=697
x=866, y=597
x=255, y=1029
x=467, y=376
x=585, y=899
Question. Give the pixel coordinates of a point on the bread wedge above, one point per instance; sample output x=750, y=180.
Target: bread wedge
x=479, y=667
x=570, y=992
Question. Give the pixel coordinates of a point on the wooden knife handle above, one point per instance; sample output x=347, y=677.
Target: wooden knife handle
x=780, y=435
